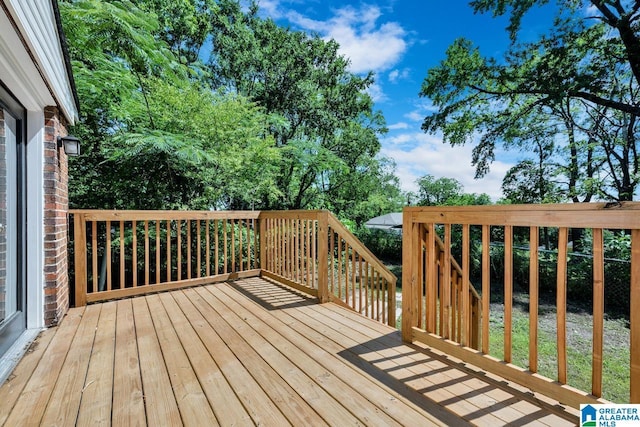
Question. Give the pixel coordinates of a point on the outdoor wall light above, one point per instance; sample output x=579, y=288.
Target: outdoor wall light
x=71, y=145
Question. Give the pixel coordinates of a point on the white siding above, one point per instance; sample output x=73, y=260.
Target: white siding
x=36, y=22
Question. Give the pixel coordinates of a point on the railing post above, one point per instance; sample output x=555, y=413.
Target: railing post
x=410, y=241
x=323, y=252
x=80, y=258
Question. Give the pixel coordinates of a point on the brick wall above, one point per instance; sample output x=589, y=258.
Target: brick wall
x=56, y=204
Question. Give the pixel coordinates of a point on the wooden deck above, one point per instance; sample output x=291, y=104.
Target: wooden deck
x=250, y=352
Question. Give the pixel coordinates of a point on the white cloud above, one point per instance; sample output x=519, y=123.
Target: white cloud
x=398, y=126
x=415, y=116
x=421, y=110
x=418, y=154
x=270, y=8
x=376, y=93
x=396, y=75
x=370, y=46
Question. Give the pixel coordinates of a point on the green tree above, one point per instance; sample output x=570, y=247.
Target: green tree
x=571, y=82
x=447, y=191
x=154, y=135
x=327, y=130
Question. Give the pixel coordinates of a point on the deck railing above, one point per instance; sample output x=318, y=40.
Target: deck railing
x=125, y=253
x=450, y=286
x=427, y=306
x=314, y=252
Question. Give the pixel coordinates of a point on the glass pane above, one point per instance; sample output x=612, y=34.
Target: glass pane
x=8, y=218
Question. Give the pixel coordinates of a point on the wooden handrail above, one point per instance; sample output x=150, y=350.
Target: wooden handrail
x=372, y=284
x=125, y=253
x=421, y=278
x=352, y=240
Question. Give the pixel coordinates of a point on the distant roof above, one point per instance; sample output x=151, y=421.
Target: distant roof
x=385, y=222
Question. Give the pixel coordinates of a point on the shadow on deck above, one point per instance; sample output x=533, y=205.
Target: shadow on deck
x=246, y=353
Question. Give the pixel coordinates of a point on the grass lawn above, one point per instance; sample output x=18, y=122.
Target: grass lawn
x=579, y=346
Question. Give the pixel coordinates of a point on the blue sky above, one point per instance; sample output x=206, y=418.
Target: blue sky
x=399, y=41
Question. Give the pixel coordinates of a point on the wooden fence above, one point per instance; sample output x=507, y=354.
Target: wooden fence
x=125, y=253
x=429, y=304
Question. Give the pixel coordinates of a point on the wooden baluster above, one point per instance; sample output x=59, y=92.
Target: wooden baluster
x=168, y=250
x=147, y=267
x=207, y=242
x=508, y=292
x=157, y=251
x=108, y=250
x=360, y=283
x=561, y=304
x=339, y=267
x=94, y=256
x=366, y=288
x=199, y=250
x=250, y=225
x=314, y=255
x=122, y=278
x=465, y=330
x=233, y=246
x=134, y=253
x=188, y=225
x=486, y=285
x=431, y=279
x=257, y=246
x=598, y=312
x=447, y=285
x=323, y=252
x=216, y=245
x=225, y=251
x=179, y=248
x=240, y=244
x=332, y=249
x=534, y=243
x=353, y=278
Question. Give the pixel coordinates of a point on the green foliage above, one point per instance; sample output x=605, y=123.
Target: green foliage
x=155, y=137
x=327, y=131
x=385, y=244
x=447, y=192
x=572, y=92
x=274, y=120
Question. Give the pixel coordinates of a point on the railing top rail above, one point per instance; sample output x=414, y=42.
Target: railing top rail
x=142, y=215
x=625, y=215
x=295, y=214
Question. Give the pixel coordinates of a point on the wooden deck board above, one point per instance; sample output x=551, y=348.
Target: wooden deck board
x=254, y=399
x=95, y=405
x=324, y=384
x=128, y=400
x=160, y=403
x=262, y=363
x=65, y=412
x=10, y=391
x=33, y=400
x=190, y=398
x=355, y=381
x=250, y=353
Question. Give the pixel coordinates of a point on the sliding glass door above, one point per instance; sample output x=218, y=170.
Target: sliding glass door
x=12, y=245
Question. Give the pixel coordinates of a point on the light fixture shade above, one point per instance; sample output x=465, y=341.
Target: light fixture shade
x=71, y=145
